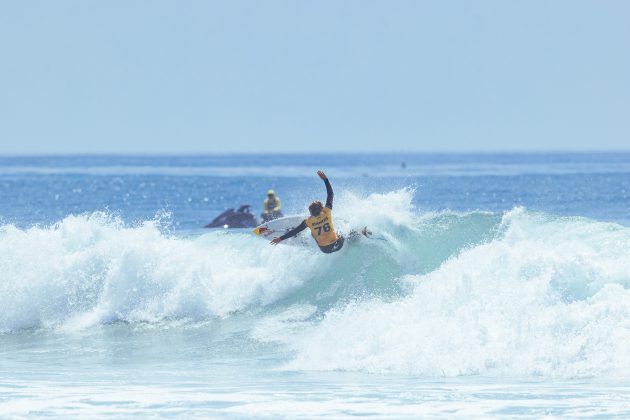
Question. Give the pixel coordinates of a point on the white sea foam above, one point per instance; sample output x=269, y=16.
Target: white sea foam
x=93, y=269
x=549, y=297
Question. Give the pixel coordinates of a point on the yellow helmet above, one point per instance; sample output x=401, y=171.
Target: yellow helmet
x=271, y=192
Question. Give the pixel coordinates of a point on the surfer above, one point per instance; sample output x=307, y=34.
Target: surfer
x=320, y=223
x=271, y=207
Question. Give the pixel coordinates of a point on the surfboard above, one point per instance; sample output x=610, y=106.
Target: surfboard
x=277, y=227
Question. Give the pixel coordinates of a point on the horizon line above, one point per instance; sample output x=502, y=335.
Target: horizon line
x=302, y=153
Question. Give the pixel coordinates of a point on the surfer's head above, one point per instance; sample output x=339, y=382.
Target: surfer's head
x=315, y=208
x=271, y=193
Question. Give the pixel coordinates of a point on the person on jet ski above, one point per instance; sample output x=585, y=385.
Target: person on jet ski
x=271, y=207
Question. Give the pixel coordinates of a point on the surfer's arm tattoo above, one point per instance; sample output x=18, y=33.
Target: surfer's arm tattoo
x=329, y=194
x=294, y=231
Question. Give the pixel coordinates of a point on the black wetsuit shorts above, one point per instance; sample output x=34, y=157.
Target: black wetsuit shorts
x=334, y=247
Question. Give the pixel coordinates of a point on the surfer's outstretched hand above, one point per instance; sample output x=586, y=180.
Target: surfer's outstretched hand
x=276, y=241
x=322, y=175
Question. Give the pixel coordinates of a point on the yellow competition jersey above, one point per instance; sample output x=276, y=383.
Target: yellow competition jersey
x=322, y=227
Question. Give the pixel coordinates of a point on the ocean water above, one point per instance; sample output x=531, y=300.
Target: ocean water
x=500, y=287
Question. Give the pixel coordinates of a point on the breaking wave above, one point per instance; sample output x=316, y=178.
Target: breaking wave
x=519, y=293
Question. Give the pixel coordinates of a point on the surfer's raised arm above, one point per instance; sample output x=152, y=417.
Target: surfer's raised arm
x=329, y=190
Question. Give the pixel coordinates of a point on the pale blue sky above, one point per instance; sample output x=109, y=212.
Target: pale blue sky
x=150, y=76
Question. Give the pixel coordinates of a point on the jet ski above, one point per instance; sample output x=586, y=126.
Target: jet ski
x=240, y=218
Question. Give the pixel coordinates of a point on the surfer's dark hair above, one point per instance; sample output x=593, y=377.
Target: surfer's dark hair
x=315, y=208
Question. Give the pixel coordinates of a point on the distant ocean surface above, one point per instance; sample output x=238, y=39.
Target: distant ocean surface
x=501, y=288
